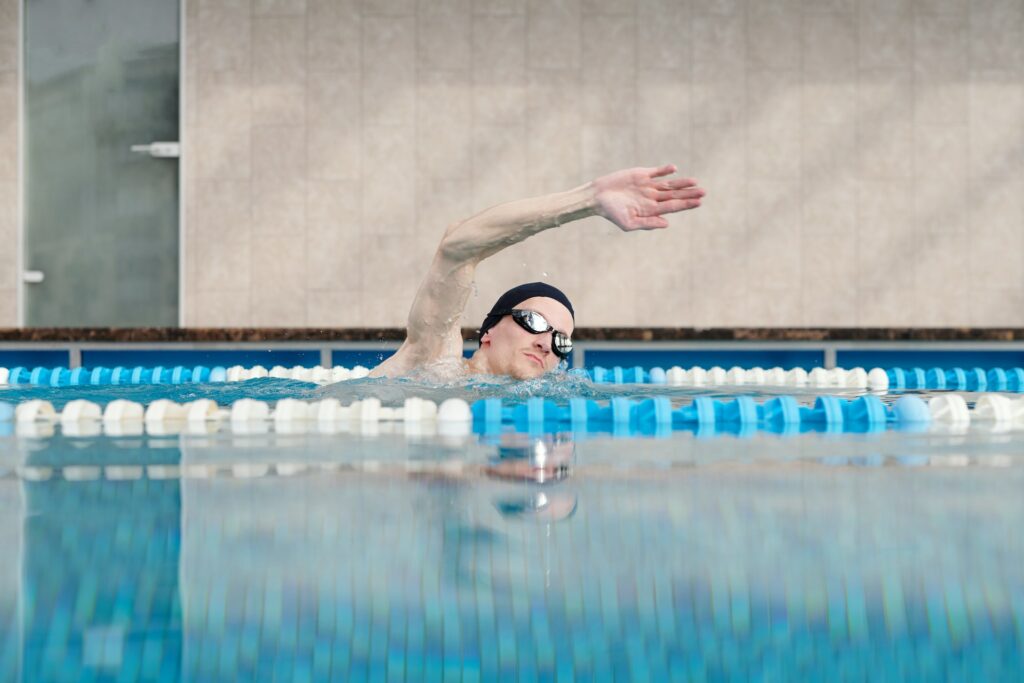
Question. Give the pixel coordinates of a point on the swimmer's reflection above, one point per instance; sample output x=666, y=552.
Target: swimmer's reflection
x=540, y=463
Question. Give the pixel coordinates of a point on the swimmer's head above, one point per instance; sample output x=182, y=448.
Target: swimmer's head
x=509, y=345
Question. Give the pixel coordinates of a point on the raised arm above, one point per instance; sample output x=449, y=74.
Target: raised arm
x=633, y=199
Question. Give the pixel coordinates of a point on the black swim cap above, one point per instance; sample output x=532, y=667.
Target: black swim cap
x=517, y=295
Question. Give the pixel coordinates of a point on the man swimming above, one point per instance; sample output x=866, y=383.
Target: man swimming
x=529, y=330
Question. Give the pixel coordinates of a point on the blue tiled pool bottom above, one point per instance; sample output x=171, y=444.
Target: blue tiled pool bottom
x=282, y=557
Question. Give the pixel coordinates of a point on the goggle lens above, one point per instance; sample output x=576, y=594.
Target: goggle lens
x=534, y=322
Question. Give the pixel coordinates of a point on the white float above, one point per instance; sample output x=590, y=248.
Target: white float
x=80, y=410
x=34, y=411
x=950, y=409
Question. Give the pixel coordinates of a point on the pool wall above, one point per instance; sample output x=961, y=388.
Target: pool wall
x=827, y=136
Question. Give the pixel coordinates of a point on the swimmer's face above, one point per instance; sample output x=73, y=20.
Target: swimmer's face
x=513, y=351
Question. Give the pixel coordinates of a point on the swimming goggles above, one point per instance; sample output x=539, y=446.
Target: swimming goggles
x=534, y=323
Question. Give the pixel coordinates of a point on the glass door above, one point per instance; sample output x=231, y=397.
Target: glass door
x=101, y=162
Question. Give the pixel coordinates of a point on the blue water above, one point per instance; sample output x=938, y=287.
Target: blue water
x=390, y=556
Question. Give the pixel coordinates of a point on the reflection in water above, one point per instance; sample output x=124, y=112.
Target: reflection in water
x=526, y=561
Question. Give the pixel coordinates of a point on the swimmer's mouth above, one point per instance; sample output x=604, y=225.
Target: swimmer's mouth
x=536, y=358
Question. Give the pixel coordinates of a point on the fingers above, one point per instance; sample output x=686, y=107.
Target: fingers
x=659, y=171
x=673, y=205
x=676, y=184
x=691, y=193
x=649, y=222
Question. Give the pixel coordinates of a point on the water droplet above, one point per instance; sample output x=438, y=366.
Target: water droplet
x=544, y=274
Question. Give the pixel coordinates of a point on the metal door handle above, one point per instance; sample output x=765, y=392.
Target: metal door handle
x=33, y=277
x=159, y=149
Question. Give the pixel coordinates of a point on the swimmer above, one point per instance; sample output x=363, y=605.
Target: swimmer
x=528, y=331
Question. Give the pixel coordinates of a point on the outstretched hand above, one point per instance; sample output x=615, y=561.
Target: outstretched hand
x=635, y=199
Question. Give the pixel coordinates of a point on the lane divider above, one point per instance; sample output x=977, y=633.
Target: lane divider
x=179, y=374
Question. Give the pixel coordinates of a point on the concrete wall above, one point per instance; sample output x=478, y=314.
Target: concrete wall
x=864, y=158
x=9, y=94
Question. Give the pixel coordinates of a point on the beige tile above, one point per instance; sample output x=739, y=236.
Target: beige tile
x=773, y=259
x=720, y=264
x=499, y=44
x=719, y=153
x=224, y=97
x=940, y=194
x=334, y=30
x=440, y=202
x=223, y=151
x=881, y=259
x=445, y=150
x=278, y=294
x=609, y=43
x=444, y=98
x=814, y=7
x=389, y=100
x=8, y=308
x=334, y=308
x=553, y=96
x=884, y=307
x=719, y=46
x=279, y=206
x=718, y=101
x=712, y=311
x=333, y=99
x=218, y=308
x=940, y=45
x=389, y=46
x=774, y=97
x=8, y=129
x=996, y=35
x=996, y=258
x=831, y=103
x=829, y=44
x=830, y=206
x=498, y=99
x=278, y=152
x=389, y=203
x=8, y=35
x=664, y=29
x=996, y=307
x=486, y=7
x=334, y=256
x=389, y=7
x=774, y=151
x=939, y=308
x=607, y=7
x=828, y=262
x=553, y=35
x=940, y=100
x=887, y=152
x=938, y=263
x=598, y=107
x=662, y=307
x=830, y=307
x=449, y=8
x=996, y=152
x=718, y=7
x=606, y=149
x=773, y=308
x=996, y=100
x=334, y=153
x=773, y=213
x=885, y=97
x=278, y=7
x=279, y=49
x=553, y=157
x=827, y=150
x=225, y=36
x=279, y=104
x=955, y=7
x=773, y=35
x=223, y=216
x=444, y=41
x=996, y=204
x=499, y=162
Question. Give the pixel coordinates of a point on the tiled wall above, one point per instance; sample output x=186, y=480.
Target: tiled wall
x=864, y=158
x=8, y=162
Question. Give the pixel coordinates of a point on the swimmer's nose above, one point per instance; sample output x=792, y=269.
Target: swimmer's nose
x=543, y=342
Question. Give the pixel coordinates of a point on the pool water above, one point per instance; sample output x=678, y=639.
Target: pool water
x=386, y=556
